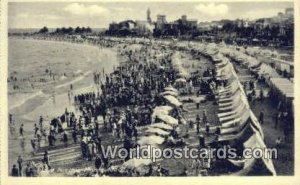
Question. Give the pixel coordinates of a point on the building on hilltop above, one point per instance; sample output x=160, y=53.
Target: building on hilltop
x=289, y=12
x=149, y=16
x=130, y=27
x=127, y=27
x=178, y=27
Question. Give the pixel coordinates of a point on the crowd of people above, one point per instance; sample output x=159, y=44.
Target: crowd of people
x=125, y=101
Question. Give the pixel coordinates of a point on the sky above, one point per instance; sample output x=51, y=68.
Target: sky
x=99, y=15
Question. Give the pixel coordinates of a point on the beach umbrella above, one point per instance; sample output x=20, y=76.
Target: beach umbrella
x=170, y=88
x=162, y=126
x=151, y=140
x=180, y=80
x=157, y=131
x=199, y=99
x=173, y=101
x=135, y=162
x=168, y=119
x=172, y=93
x=162, y=110
x=183, y=74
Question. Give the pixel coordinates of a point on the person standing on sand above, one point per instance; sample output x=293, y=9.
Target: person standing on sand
x=21, y=130
x=46, y=159
x=98, y=163
x=277, y=119
x=22, y=144
x=10, y=119
x=15, y=171
x=204, y=117
x=41, y=122
x=35, y=130
x=261, y=117
x=20, y=161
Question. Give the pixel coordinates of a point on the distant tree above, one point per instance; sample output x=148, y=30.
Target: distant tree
x=70, y=30
x=88, y=30
x=58, y=30
x=63, y=30
x=44, y=30
x=78, y=30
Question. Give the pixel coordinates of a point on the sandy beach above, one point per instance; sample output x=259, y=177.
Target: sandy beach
x=74, y=64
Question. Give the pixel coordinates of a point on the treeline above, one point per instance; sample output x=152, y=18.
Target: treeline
x=69, y=30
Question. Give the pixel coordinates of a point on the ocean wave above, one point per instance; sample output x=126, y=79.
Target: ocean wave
x=73, y=81
x=23, y=98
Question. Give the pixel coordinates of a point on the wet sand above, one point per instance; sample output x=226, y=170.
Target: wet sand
x=49, y=99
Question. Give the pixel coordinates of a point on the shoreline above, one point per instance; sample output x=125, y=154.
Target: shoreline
x=59, y=86
x=28, y=106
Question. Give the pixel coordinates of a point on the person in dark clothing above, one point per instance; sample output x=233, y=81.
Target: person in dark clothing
x=201, y=141
x=33, y=145
x=98, y=163
x=74, y=136
x=162, y=171
x=35, y=130
x=65, y=137
x=46, y=159
x=184, y=172
x=28, y=171
x=204, y=117
x=41, y=122
x=218, y=131
x=15, y=171
x=207, y=129
x=10, y=119
x=21, y=130
x=261, y=117
x=150, y=172
x=135, y=133
x=127, y=146
x=20, y=161
x=198, y=127
x=105, y=161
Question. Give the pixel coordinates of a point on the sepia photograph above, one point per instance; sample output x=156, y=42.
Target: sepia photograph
x=150, y=89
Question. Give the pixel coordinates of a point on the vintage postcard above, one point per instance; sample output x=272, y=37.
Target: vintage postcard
x=159, y=91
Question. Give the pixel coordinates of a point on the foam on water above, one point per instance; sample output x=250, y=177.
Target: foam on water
x=18, y=100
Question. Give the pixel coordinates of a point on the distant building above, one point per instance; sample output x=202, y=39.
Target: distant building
x=190, y=23
x=113, y=27
x=145, y=27
x=160, y=22
x=263, y=23
x=289, y=12
x=126, y=27
x=204, y=26
x=243, y=23
x=149, y=16
x=128, y=24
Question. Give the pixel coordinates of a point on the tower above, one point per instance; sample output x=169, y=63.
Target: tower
x=148, y=16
